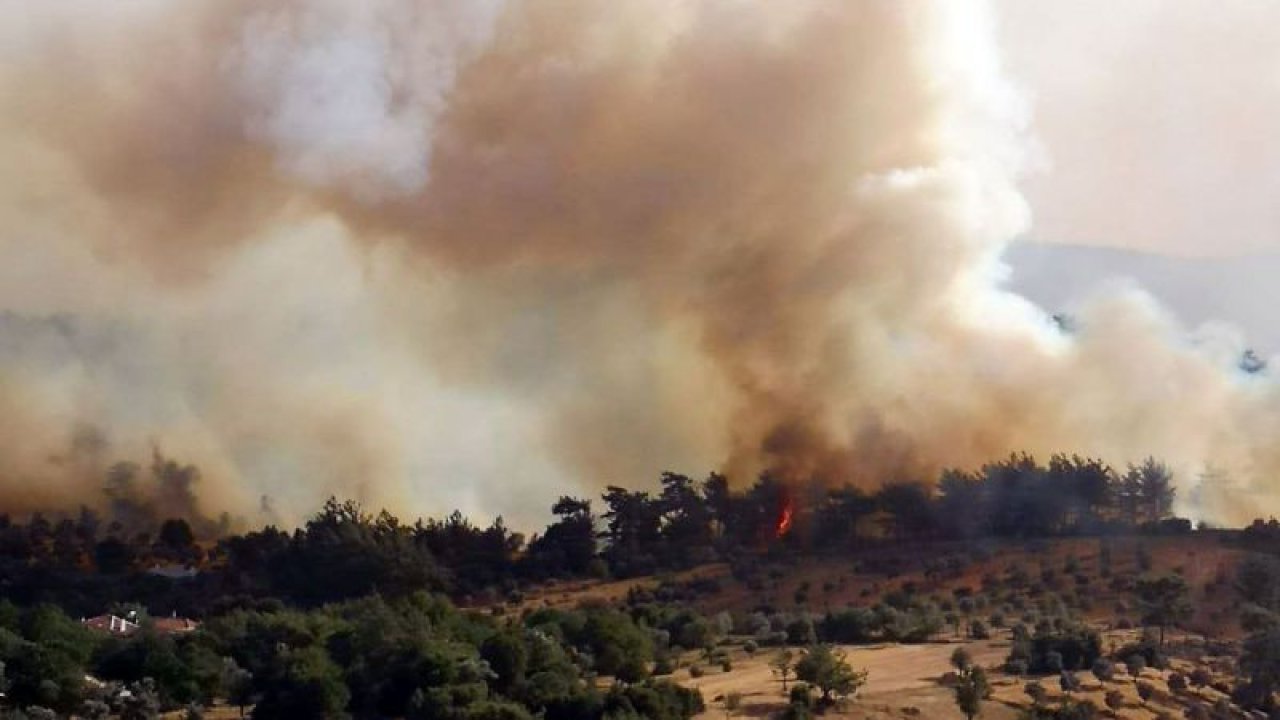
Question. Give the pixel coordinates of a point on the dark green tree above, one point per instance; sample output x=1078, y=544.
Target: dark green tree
x=828, y=670
x=302, y=683
x=568, y=546
x=1164, y=601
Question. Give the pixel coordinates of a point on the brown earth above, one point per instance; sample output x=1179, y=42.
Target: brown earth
x=826, y=584
x=906, y=681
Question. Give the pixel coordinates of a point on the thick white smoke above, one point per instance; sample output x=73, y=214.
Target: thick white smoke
x=348, y=94
x=439, y=254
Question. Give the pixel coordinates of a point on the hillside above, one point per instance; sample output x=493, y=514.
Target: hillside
x=999, y=584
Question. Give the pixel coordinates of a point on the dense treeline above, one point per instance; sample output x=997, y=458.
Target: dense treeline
x=417, y=657
x=354, y=612
x=342, y=552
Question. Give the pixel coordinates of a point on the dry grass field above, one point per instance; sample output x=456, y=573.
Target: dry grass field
x=910, y=681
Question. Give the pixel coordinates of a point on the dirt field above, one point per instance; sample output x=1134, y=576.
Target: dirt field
x=906, y=681
x=902, y=681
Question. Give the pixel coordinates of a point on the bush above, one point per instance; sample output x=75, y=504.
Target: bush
x=800, y=632
x=1197, y=712
x=1074, y=645
x=978, y=630
x=1015, y=667
x=1177, y=682
x=750, y=647
x=1104, y=670
x=696, y=671
x=664, y=665
x=1135, y=664
x=1069, y=682
x=854, y=625
x=1145, y=690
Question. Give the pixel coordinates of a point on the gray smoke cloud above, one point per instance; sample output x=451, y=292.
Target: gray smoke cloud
x=438, y=254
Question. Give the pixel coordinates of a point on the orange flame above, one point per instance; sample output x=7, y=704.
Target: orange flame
x=784, y=519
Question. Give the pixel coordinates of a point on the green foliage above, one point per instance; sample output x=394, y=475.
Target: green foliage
x=1066, y=645
x=44, y=657
x=1135, y=664
x=301, y=683
x=971, y=687
x=181, y=671
x=508, y=657
x=1260, y=663
x=568, y=547
x=827, y=669
x=801, y=632
x=1164, y=601
x=336, y=618
x=852, y=625
x=619, y=646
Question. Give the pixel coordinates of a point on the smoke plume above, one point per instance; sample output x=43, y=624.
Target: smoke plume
x=474, y=254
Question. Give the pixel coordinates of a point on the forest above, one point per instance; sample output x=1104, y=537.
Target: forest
x=359, y=613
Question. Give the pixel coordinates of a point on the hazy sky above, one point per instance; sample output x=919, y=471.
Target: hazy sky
x=1158, y=121
x=457, y=253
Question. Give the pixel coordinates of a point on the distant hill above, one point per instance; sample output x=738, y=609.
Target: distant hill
x=1242, y=291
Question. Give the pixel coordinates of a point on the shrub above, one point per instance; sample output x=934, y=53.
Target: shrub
x=1104, y=669
x=1135, y=664
x=664, y=665
x=1177, y=682
x=1197, y=712
x=978, y=630
x=696, y=671
x=801, y=632
x=1145, y=690
x=1069, y=682
x=1015, y=667
x=750, y=647
x=854, y=625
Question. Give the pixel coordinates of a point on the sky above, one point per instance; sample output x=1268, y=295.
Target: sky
x=1157, y=122
x=447, y=253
